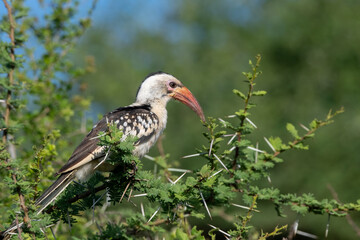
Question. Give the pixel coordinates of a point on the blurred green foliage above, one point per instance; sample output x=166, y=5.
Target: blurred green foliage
x=310, y=62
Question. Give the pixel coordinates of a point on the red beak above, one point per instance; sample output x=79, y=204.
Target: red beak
x=184, y=95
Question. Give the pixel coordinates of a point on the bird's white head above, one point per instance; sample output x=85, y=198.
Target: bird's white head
x=160, y=87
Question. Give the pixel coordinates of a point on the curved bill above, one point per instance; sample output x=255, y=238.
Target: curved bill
x=185, y=96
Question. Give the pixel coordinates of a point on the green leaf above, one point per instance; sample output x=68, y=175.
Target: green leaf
x=180, y=234
x=240, y=94
x=205, y=171
x=292, y=130
x=259, y=93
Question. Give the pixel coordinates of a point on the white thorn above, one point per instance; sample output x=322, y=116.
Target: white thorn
x=171, y=181
x=253, y=124
x=98, y=136
x=98, y=199
x=211, y=144
x=222, y=121
x=154, y=214
x=231, y=116
x=255, y=149
x=178, y=170
x=223, y=232
x=189, y=205
x=327, y=227
x=155, y=168
x=295, y=226
x=229, y=135
x=221, y=162
x=269, y=179
x=217, y=173
x=271, y=146
x=232, y=139
x=193, y=155
x=142, y=210
x=256, y=153
x=48, y=226
x=244, y=207
x=207, y=209
x=139, y=195
x=106, y=155
x=179, y=178
x=305, y=234
x=107, y=120
x=232, y=149
x=303, y=126
x=149, y=157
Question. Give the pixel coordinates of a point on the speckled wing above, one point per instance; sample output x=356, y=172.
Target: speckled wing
x=133, y=120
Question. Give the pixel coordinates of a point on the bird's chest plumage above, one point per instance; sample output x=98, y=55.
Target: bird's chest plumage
x=146, y=126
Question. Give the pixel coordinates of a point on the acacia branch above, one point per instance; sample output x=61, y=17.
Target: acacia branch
x=11, y=72
x=8, y=109
x=79, y=196
x=246, y=108
x=348, y=217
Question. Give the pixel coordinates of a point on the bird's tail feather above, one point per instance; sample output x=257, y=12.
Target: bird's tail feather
x=54, y=190
x=44, y=200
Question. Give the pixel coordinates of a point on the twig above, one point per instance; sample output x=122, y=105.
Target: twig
x=160, y=146
x=18, y=227
x=52, y=232
x=80, y=196
x=348, y=217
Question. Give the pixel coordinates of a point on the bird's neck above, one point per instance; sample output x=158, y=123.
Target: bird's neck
x=157, y=106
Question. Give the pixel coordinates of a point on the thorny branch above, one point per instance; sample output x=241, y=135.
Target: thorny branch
x=11, y=73
x=348, y=217
x=8, y=108
x=80, y=196
x=246, y=108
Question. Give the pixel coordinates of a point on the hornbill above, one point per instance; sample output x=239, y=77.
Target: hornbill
x=146, y=119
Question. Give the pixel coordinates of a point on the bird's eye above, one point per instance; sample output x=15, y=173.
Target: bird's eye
x=172, y=85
